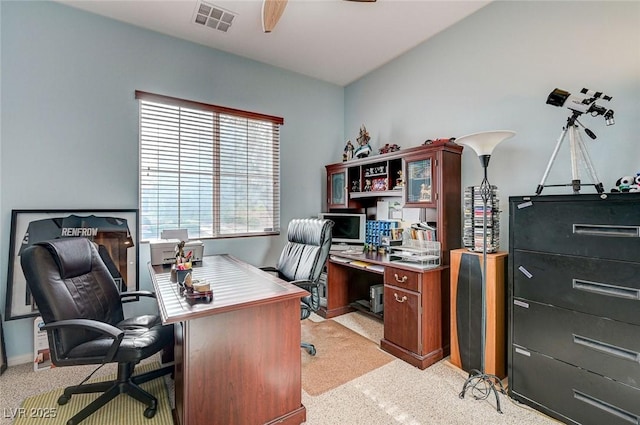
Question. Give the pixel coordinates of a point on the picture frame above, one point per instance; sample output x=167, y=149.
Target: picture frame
x=3, y=350
x=114, y=230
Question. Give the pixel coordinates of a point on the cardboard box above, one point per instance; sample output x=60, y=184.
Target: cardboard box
x=41, y=352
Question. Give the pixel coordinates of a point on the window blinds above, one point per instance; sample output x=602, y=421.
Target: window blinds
x=212, y=170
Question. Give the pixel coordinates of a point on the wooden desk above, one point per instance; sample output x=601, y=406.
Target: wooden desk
x=416, y=304
x=238, y=357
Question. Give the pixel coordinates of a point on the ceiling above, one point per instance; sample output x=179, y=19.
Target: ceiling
x=333, y=40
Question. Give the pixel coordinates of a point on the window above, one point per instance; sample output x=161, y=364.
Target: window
x=212, y=170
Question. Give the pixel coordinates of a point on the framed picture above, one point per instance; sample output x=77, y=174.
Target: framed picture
x=3, y=352
x=115, y=232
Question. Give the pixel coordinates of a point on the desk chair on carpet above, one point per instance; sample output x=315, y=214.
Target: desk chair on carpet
x=302, y=260
x=82, y=311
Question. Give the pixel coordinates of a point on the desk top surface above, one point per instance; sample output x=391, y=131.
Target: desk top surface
x=235, y=285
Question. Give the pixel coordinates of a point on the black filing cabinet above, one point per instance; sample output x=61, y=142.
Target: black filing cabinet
x=574, y=306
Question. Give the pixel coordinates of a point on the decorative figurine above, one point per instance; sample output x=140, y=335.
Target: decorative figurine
x=389, y=148
x=355, y=186
x=363, y=150
x=367, y=185
x=425, y=193
x=399, y=181
x=348, y=151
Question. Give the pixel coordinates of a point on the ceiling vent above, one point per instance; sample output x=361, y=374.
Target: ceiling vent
x=213, y=17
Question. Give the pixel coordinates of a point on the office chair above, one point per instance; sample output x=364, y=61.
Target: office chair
x=302, y=261
x=82, y=311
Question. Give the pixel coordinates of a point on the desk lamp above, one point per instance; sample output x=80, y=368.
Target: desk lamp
x=480, y=383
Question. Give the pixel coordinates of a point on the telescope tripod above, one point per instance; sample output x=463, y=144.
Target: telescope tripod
x=578, y=153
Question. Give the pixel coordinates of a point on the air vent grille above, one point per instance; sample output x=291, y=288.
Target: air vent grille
x=213, y=16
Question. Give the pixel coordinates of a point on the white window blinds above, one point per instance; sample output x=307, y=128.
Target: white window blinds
x=212, y=170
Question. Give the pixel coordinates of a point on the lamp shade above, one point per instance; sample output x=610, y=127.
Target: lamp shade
x=484, y=143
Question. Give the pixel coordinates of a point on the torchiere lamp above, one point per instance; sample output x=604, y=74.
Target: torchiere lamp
x=480, y=383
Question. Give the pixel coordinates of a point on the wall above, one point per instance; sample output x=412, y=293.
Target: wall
x=493, y=71
x=70, y=133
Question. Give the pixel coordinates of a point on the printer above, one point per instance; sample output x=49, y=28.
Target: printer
x=163, y=251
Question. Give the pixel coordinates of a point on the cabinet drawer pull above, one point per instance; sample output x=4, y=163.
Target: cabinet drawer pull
x=403, y=280
x=605, y=348
x=607, y=407
x=606, y=289
x=606, y=230
x=400, y=300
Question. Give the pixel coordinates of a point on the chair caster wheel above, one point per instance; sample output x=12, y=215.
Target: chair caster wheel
x=311, y=350
x=63, y=399
x=149, y=412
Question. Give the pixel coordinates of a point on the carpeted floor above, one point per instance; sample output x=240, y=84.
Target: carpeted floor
x=43, y=408
x=391, y=394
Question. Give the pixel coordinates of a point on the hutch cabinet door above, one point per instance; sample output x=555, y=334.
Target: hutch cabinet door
x=337, y=188
x=420, y=181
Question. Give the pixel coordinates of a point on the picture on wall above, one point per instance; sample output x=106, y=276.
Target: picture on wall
x=114, y=231
x=3, y=353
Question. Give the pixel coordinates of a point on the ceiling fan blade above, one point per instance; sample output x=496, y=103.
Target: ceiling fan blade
x=271, y=12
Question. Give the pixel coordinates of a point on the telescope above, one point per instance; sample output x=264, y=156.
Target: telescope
x=582, y=104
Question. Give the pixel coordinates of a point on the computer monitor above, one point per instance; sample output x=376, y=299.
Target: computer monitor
x=347, y=228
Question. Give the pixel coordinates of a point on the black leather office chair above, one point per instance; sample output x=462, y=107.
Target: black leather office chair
x=302, y=260
x=82, y=311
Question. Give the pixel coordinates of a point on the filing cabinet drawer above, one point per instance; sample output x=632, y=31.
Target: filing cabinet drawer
x=402, y=278
x=587, y=226
x=600, y=287
x=603, y=346
x=565, y=391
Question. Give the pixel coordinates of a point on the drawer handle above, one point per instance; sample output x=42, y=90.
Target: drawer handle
x=606, y=230
x=607, y=407
x=403, y=280
x=605, y=348
x=606, y=289
x=400, y=300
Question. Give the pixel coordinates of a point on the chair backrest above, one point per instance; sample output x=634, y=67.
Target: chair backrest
x=307, y=249
x=69, y=280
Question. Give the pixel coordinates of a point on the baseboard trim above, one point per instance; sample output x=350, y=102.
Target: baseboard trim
x=18, y=360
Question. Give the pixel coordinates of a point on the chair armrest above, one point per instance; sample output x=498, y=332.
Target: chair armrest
x=305, y=284
x=269, y=269
x=92, y=325
x=312, y=287
x=149, y=294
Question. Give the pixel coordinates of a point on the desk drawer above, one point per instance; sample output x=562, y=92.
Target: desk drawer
x=402, y=278
x=571, y=392
x=402, y=321
x=587, y=226
x=601, y=287
x=603, y=346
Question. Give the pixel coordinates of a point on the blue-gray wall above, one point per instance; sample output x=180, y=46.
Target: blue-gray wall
x=493, y=71
x=70, y=122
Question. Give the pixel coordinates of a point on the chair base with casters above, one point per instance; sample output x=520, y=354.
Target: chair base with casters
x=125, y=383
x=311, y=349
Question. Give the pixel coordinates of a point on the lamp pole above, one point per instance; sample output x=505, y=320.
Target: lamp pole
x=481, y=384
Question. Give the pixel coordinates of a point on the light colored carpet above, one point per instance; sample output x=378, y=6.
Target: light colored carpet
x=342, y=355
x=44, y=409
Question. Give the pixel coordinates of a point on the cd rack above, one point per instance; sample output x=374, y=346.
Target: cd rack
x=473, y=220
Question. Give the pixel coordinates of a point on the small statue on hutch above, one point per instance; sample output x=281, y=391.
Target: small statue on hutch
x=348, y=151
x=389, y=148
x=364, y=149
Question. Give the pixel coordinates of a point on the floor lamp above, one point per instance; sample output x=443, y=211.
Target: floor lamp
x=481, y=384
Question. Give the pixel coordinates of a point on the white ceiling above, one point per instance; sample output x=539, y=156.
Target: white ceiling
x=333, y=40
